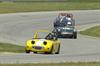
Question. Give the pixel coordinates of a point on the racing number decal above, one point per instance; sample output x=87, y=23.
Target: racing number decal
x=39, y=43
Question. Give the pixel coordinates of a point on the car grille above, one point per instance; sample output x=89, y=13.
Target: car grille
x=38, y=47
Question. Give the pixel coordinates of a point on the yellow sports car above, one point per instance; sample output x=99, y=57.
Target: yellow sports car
x=43, y=41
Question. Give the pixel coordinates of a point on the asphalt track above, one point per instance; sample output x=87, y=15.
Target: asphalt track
x=17, y=28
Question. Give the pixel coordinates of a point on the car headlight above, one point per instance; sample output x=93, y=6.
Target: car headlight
x=32, y=42
x=45, y=43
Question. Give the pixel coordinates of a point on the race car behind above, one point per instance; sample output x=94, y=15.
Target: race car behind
x=64, y=26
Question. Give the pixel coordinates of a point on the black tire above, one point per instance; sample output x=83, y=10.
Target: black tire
x=58, y=51
x=75, y=35
x=34, y=52
x=27, y=51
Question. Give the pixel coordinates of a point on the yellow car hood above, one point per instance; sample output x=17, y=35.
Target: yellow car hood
x=39, y=42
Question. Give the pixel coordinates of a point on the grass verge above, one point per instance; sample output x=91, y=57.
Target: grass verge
x=7, y=47
x=10, y=7
x=54, y=0
x=57, y=64
x=94, y=31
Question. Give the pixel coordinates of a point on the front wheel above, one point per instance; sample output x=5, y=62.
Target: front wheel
x=75, y=35
x=51, y=51
x=27, y=51
x=34, y=52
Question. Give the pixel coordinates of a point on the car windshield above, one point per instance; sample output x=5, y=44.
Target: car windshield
x=64, y=22
x=61, y=25
x=45, y=35
x=41, y=35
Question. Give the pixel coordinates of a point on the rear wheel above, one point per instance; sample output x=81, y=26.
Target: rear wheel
x=58, y=50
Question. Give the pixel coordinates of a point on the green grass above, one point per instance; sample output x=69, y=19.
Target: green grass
x=94, y=31
x=8, y=7
x=56, y=0
x=7, y=47
x=56, y=64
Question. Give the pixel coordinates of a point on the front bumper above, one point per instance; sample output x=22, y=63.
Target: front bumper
x=38, y=49
x=65, y=34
